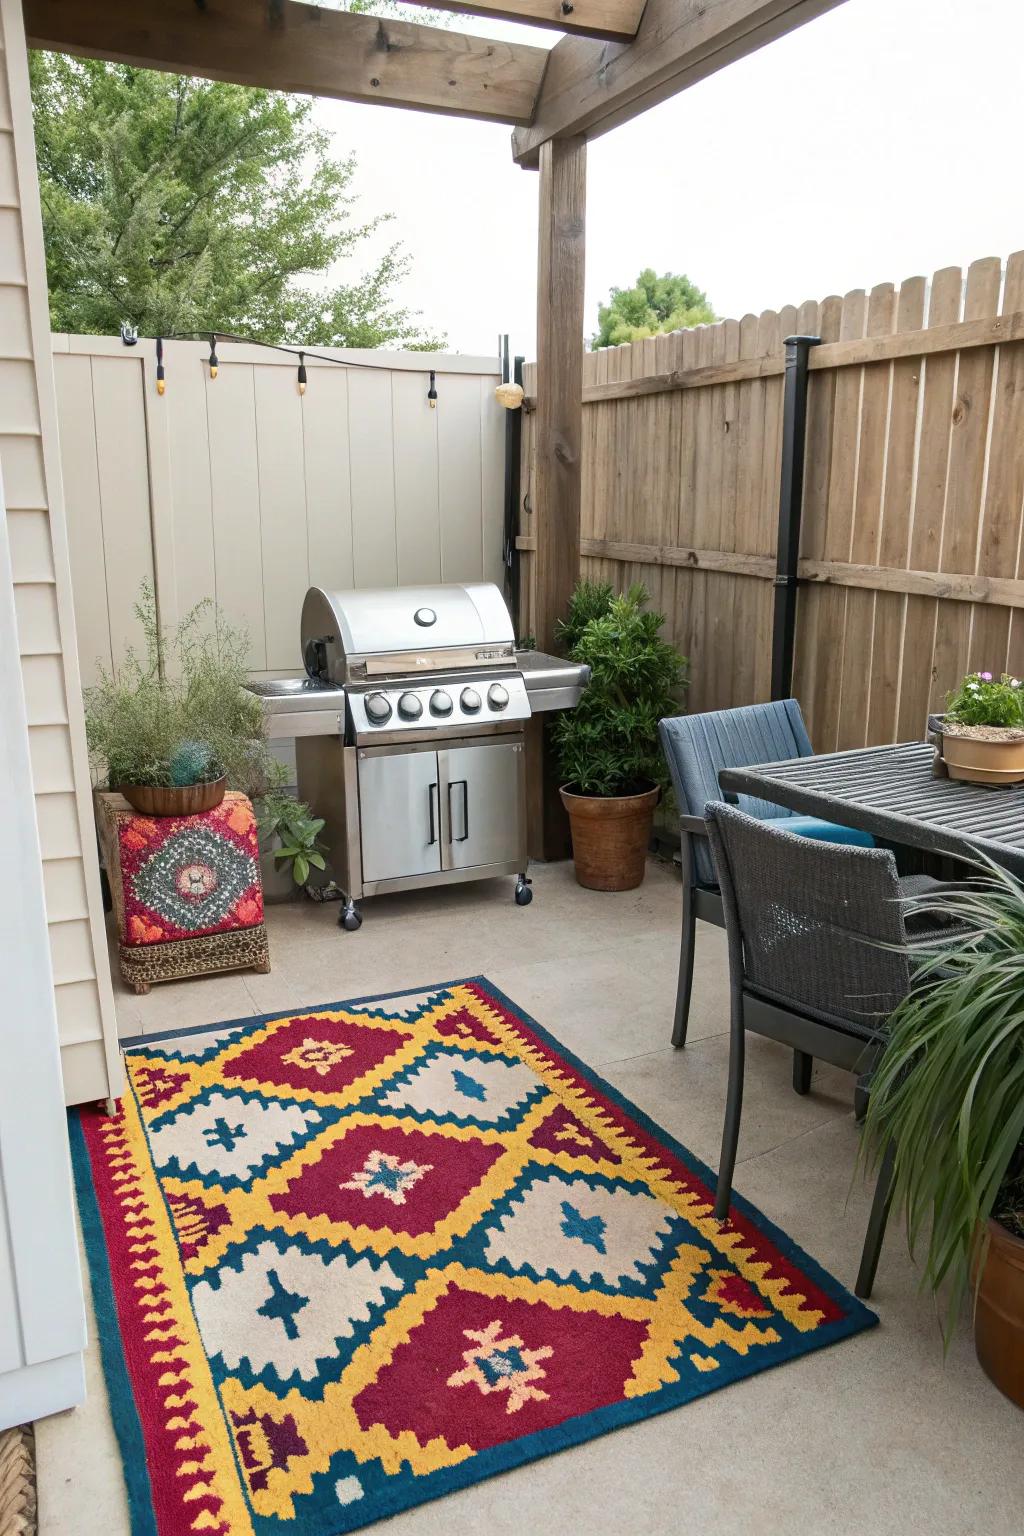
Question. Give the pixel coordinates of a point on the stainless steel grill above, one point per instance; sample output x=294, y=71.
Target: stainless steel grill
x=410, y=734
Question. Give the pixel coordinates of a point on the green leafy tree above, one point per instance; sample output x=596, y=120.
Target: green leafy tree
x=654, y=304
x=182, y=205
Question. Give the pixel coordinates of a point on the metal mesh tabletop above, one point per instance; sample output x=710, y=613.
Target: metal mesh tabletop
x=894, y=793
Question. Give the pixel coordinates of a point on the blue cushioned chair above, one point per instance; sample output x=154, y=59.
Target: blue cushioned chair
x=696, y=748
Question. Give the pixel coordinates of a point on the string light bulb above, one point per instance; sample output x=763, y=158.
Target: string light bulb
x=214, y=360
x=432, y=391
x=509, y=395
x=302, y=373
x=160, y=385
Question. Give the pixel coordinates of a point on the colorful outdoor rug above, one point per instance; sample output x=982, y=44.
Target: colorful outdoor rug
x=348, y=1260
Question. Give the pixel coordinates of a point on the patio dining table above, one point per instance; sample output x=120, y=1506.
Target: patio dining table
x=894, y=793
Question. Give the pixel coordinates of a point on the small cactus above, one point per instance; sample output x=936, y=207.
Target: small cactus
x=191, y=762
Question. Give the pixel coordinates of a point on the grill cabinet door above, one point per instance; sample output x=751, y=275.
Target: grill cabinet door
x=483, y=811
x=398, y=811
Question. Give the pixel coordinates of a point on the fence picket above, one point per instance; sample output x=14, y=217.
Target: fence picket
x=894, y=533
x=1004, y=487
x=866, y=522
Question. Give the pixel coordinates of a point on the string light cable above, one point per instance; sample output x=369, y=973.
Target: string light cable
x=129, y=336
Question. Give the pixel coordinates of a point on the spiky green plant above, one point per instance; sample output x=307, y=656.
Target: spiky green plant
x=589, y=600
x=608, y=744
x=948, y=1095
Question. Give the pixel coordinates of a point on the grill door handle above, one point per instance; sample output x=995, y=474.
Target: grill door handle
x=452, y=784
x=431, y=792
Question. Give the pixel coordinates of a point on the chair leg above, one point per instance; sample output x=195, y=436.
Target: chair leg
x=733, y=1107
x=803, y=1065
x=684, y=988
x=861, y=1093
x=876, y=1226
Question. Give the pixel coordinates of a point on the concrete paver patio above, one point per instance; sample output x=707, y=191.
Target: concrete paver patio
x=879, y=1433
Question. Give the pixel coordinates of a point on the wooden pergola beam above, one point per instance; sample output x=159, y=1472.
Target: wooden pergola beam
x=289, y=46
x=590, y=87
x=615, y=19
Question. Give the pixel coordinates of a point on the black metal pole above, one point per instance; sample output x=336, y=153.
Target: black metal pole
x=513, y=439
x=791, y=496
x=515, y=494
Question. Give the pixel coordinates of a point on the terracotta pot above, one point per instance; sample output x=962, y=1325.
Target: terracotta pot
x=995, y=761
x=999, y=1318
x=174, y=799
x=609, y=837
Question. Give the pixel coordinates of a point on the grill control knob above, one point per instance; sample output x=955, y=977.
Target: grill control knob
x=410, y=707
x=497, y=696
x=440, y=702
x=470, y=700
x=378, y=708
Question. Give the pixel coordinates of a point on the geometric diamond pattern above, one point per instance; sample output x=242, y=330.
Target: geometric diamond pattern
x=465, y=1087
x=321, y=1055
x=225, y=1137
x=362, y=1253
x=585, y=1230
x=396, y=1179
x=195, y=880
x=184, y=876
x=283, y=1310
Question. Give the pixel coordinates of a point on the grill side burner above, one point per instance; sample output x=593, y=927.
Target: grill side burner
x=410, y=734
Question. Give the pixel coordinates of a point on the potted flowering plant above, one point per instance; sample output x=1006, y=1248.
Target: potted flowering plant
x=983, y=730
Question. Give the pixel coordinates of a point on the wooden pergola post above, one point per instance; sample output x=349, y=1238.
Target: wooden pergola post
x=558, y=426
x=559, y=413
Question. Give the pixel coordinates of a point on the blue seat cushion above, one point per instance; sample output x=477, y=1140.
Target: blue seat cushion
x=825, y=831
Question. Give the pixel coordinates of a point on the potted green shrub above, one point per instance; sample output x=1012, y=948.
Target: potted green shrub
x=607, y=749
x=948, y=1100
x=173, y=725
x=983, y=730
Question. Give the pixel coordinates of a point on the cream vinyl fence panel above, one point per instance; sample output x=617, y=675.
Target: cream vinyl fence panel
x=241, y=489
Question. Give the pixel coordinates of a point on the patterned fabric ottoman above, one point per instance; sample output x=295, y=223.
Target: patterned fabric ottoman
x=185, y=889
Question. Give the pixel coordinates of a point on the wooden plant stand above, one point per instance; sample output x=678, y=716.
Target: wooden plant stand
x=185, y=890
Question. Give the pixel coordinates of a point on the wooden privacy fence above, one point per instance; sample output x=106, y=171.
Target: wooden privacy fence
x=239, y=489
x=911, y=562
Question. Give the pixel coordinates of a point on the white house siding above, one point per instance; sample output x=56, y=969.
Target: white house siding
x=40, y=570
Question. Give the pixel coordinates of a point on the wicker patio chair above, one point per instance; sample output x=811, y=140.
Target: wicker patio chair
x=696, y=748
x=819, y=956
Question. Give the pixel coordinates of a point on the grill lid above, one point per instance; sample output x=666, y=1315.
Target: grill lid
x=404, y=629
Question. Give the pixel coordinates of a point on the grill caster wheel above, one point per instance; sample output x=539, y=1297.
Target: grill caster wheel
x=351, y=918
x=523, y=893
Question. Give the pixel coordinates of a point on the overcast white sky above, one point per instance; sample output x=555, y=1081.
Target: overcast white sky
x=880, y=141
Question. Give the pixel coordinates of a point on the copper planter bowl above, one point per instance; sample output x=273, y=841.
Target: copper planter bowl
x=999, y=1317
x=609, y=837
x=174, y=799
